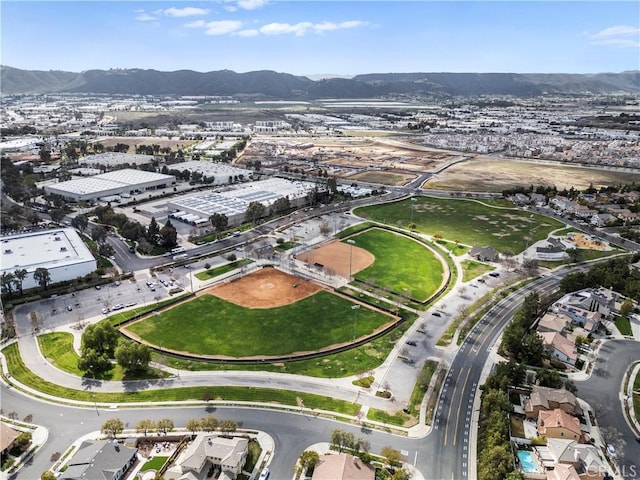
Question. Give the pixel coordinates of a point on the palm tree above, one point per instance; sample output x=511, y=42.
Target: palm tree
x=20, y=274
x=42, y=276
x=7, y=282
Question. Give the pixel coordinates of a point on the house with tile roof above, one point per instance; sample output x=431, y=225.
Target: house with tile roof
x=547, y=399
x=342, y=467
x=559, y=424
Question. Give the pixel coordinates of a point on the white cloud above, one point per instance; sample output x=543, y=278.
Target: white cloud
x=230, y=8
x=247, y=33
x=145, y=17
x=617, y=36
x=251, y=4
x=184, y=12
x=196, y=24
x=297, y=29
x=330, y=26
x=222, y=27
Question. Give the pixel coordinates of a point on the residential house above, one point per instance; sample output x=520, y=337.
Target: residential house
x=538, y=199
x=8, y=435
x=561, y=203
x=580, y=317
x=553, y=322
x=602, y=219
x=581, y=211
x=547, y=399
x=563, y=472
x=484, y=254
x=520, y=199
x=207, y=451
x=100, y=460
x=603, y=301
x=342, y=467
x=584, y=458
x=561, y=347
x=559, y=424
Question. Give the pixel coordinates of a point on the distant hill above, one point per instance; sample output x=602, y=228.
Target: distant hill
x=274, y=85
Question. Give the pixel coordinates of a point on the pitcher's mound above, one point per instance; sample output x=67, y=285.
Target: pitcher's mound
x=265, y=288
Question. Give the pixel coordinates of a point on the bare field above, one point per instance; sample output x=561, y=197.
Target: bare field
x=339, y=258
x=492, y=175
x=383, y=178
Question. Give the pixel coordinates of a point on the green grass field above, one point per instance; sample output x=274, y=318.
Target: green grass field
x=222, y=269
x=472, y=269
x=209, y=325
x=401, y=265
x=154, y=463
x=468, y=221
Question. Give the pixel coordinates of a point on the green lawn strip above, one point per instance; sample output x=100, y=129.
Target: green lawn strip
x=284, y=246
x=472, y=269
x=123, y=316
x=456, y=248
x=22, y=374
x=399, y=418
x=353, y=229
x=623, y=325
x=337, y=365
x=401, y=264
x=461, y=219
x=57, y=348
x=364, y=382
x=222, y=269
x=210, y=325
x=154, y=463
x=421, y=386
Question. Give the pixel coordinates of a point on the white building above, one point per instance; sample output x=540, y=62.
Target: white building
x=223, y=173
x=61, y=251
x=128, y=181
x=233, y=203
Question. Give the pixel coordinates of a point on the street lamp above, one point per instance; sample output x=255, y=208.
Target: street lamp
x=351, y=243
x=355, y=320
x=95, y=403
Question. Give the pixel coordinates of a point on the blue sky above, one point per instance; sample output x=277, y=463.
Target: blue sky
x=337, y=37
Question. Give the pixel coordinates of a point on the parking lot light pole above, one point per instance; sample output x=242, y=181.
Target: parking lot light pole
x=351, y=243
x=355, y=320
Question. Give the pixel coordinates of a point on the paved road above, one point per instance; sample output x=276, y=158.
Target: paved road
x=602, y=391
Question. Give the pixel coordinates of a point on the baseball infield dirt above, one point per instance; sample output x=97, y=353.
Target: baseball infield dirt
x=265, y=288
x=338, y=258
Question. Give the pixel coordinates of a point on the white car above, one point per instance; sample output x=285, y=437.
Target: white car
x=611, y=450
x=264, y=474
x=105, y=310
x=118, y=306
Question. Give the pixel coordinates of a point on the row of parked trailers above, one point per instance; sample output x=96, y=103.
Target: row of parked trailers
x=190, y=218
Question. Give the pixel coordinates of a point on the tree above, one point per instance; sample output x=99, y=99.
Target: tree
x=101, y=337
x=168, y=235
x=325, y=228
x=98, y=233
x=254, y=212
x=219, y=221
x=132, y=356
x=7, y=281
x=80, y=222
x=209, y=423
x=625, y=309
x=194, y=425
x=42, y=276
x=145, y=426
x=57, y=214
x=342, y=439
x=93, y=362
x=112, y=427
x=20, y=274
x=228, y=426
x=165, y=425
x=282, y=204
x=47, y=475
x=401, y=474
x=308, y=460
x=392, y=456
x=153, y=230
x=574, y=254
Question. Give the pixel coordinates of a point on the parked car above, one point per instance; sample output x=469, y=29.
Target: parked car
x=264, y=474
x=69, y=307
x=411, y=342
x=118, y=306
x=105, y=310
x=436, y=314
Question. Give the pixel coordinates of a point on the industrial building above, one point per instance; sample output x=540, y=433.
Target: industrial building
x=124, y=183
x=113, y=159
x=61, y=251
x=233, y=203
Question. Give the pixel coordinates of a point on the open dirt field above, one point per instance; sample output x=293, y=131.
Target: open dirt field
x=336, y=257
x=489, y=175
x=265, y=288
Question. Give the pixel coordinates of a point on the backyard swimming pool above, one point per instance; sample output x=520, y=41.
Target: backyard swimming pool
x=527, y=462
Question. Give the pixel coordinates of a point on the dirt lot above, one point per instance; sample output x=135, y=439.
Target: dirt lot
x=484, y=174
x=585, y=241
x=336, y=257
x=265, y=288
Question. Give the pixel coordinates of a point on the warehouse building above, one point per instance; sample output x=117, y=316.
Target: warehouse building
x=233, y=203
x=61, y=251
x=123, y=183
x=222, y=173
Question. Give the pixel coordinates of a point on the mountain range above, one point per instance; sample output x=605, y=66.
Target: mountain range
x=266, y=84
